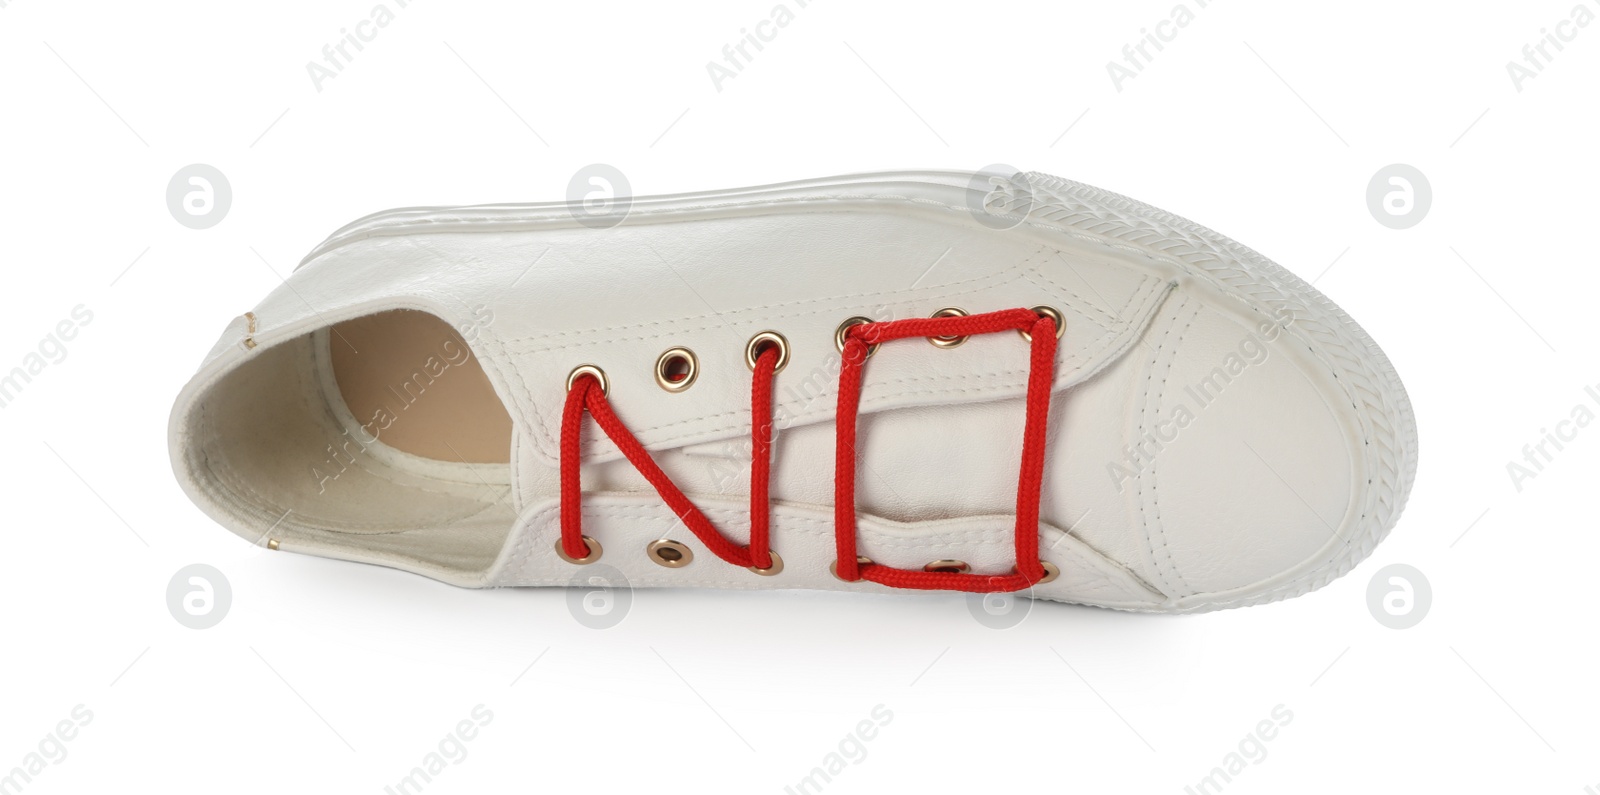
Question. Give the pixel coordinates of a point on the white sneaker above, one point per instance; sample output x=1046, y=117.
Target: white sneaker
x=529, y=394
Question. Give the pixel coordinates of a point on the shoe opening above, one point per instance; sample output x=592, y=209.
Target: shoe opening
x=378, y=438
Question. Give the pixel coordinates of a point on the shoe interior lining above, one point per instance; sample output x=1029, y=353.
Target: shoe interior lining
x=279, y=442
x=412, y=382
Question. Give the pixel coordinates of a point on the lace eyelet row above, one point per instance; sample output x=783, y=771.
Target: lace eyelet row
x=677, y=368
x=662, y=552
x=676, y=555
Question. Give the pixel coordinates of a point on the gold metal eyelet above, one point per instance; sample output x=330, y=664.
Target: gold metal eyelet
x=1049, y=312
x=775, y=568
x=677, y=369
x=948, y=342
x=589, y=369
x=948, y=567
x=669, y=553
x=1051, y=571
x=753, y=348
x=593, y=547
x=838, y=333
x=833, y=568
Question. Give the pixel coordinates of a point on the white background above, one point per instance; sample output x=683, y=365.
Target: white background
x=1263, y=121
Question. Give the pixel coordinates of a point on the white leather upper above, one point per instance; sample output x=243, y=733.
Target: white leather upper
x=1248, y=484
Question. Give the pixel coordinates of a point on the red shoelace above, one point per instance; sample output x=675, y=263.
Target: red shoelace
x=586, y=393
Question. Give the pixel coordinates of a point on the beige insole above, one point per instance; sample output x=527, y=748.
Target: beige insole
x=411, y=380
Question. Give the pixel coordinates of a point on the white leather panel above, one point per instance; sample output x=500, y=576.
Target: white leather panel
x=1256, y=475
x=821, y=268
